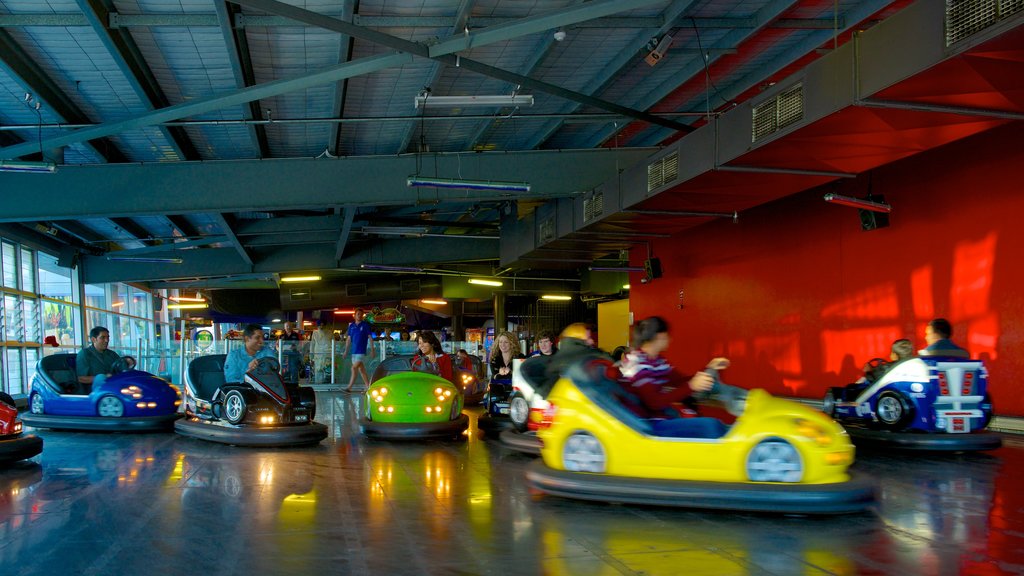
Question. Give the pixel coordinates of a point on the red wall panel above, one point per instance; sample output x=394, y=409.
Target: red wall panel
x=799, y=297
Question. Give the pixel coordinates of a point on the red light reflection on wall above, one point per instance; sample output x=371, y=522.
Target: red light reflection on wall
x=862, y=343
x=875, y=303
x=782, y=351
x=983, y=336
x=972, y=277
x=921, y=291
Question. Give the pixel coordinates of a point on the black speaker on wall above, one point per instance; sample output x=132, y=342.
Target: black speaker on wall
x=652, y=268
x=68, y=257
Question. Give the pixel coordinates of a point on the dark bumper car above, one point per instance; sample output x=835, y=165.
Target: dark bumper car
x=260, y=411
x=128, y=401
x=15, y=445
x=933, y=403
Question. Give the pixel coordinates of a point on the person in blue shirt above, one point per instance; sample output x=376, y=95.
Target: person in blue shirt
x=242, y=360
x=937, y=334
x=96, y=362
x=359, y=333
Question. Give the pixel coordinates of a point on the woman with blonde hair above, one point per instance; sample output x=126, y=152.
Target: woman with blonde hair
x=504, y=351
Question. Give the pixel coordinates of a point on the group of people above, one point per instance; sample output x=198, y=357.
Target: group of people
x=656, y=390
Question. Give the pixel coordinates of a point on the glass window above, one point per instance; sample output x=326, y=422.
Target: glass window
x=54, y=281
x=28, y=270
x=31, y=316
x=59, y=321
x=10, y=262
x=31, y=359
x=95, y=318
x=14, y=383
x=13, y=319
x=96, y=296
x=140, y=304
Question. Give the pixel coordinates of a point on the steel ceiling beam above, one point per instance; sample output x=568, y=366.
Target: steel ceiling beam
x=345, y=232
x=666, y=81
x=106, y=191
x=200, y=106
x=166, y=246
x=444, y=51
x=183, y=226
x=218, y=262
x=539, y=54
x=461, y=16
x=814, y=40
x=625, y=58
x=228, y=231
x=26, y=72
x=126, y=54
x=290, y=225
x=118, y=20
x=341, y=87
x=237, y=45
x=133, y=228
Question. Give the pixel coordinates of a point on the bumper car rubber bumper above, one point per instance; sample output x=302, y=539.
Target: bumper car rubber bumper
x=296, y=435
x=20, y=447
x=101, y=424
x=525, y=442
x=414, y=430
x=493, y=425
x=941, y=442
x=852, y=496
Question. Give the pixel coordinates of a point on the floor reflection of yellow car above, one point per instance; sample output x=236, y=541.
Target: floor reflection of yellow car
x=778, y=456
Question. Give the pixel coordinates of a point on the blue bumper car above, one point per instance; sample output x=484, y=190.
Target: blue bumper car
x=263, y=410
x=129, y=400
x=929, y=403
x=14, y=444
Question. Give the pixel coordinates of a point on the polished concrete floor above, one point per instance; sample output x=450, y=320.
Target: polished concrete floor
x=155, y=504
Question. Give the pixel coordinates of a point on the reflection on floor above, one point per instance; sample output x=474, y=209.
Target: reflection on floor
x=158, y=504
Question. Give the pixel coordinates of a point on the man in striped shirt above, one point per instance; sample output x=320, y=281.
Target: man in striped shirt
x=658, y=387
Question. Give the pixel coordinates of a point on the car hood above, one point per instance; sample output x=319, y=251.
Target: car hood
x=413, y=388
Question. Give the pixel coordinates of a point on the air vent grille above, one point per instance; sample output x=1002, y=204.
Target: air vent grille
x=593, y=207
x=300, y=294
x=662, y=171
x=354, y=290
x=779, y=112
x=965, y=18
x=546, y=231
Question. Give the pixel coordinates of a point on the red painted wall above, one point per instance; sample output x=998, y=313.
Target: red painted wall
x=799, y=297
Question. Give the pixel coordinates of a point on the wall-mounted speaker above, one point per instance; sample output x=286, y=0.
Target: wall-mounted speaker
x=652, y=268
x=870, y=220
x=68, y=257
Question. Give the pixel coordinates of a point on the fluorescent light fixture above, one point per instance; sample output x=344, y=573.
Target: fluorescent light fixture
x=344, y=312
x=616, y=269
x=191, y=306
x=311, y=278
x=395, y=230
x=427, y=101
x=117, y=304
x=186, y=299
x=625, y=286
x=431, y=301
x=858, y=203
x=275, y=320
x=144, y=259
x=23, y=166
x=483, y=282
x=387, y=268
x=560, y=297
x=460, y=183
